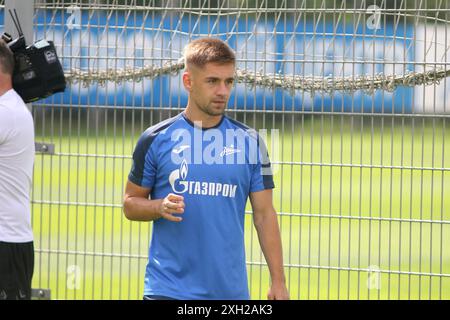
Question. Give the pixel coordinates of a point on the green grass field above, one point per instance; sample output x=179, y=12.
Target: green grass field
x=337, y=221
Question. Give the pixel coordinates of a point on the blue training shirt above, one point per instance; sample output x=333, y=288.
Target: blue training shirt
x=214, y=169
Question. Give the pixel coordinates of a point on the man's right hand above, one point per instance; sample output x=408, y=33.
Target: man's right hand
x=170, y=205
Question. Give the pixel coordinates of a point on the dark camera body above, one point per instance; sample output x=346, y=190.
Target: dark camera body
x=37, y=71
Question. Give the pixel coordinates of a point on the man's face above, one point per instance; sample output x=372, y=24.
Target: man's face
x=210, y=87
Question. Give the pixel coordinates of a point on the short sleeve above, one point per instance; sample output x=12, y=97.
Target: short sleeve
x=143, y=170
x=262, y=177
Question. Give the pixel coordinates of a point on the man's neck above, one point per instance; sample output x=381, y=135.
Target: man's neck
x=201, y=119
x=5, y=83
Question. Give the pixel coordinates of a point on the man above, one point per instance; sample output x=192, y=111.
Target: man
x=199, y=190
x=16, y=169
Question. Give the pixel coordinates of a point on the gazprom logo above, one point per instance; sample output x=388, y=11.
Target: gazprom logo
x=179, y=184
x=178, y=174
x=184, y=170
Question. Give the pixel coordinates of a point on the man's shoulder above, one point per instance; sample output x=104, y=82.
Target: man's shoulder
x=11, y=104
x=251, y=132
x=237, y=123
x=12, y=110
x=150, y=134
x=11, y=96
x=156, y=129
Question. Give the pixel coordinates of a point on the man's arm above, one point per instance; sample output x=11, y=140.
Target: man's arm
x=137, y=206
x=265, y=219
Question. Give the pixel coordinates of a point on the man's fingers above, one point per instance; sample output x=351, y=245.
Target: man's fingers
x=172, y=197
x=172, y=204
x=176, y=207
x=171, y=217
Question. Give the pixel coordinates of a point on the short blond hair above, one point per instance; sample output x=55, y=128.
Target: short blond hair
x=205, y=50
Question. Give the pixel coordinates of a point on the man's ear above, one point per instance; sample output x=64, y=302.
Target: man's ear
x=187, y=80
